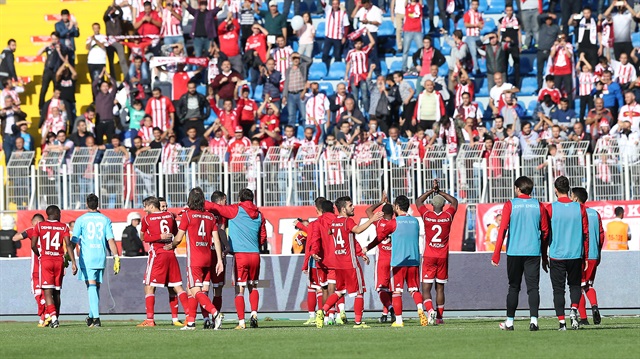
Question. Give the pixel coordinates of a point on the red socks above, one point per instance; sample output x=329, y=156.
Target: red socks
x=593, y=298
x=217, y=302
x=192, y=309
x=397, y=303
x=358, y=308
x=254, y=299
x=240, y=306
x=40, y=301
x=582, y=307
x=428, y=305
x=173, y=305
x=150, y=303
x=385, y=299
x=51, y=310
x=311, y=300
x=184, y=300
x=330, y=303
x=319, y=299
x=205, y=302
x=417, y=297
x=440, y=311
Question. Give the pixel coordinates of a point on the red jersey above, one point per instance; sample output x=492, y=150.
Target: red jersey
x=322, y=241
x=35, y=264
x=198, y=226
x=247, y=108
x=258, y=43
x=384, y=228
x=436, y=231
x=229, y=38
x=344, y=244
x=50, y=239
x=154, y=225
x=229, y=120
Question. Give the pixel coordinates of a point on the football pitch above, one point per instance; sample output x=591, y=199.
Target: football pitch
x=616, y=337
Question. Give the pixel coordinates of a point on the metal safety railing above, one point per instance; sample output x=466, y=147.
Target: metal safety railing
x=146, y=180
x=113, y=184
x=177, y=180
x=18, y=184
x=82, y=177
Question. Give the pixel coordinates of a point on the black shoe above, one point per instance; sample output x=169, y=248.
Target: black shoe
x=597, y=319
x=563, y=327
x=55, y=324
x=89, y=321
x=208, y=324
x=504, y=326
x=584, y=321
x=392, y=314
x=96, y=323
x=533, y=327
x=383, y=319
x=253, y=322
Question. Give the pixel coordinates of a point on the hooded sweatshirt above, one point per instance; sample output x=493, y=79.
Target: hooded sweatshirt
x=246, y=225
x=321, y=238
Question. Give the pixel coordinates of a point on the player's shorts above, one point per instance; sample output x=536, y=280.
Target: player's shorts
x=589, y=275
x=312, y=276
x=246, y=267
x=350, y=281
x=35, y=283
x=163, y=270
x=383, y=275
x=435, y=269
x=217, y=280
x=197, y=276
x=51, y=273
x=87, y=274
x=331, y=276
x=322, y=273
x=410, y=275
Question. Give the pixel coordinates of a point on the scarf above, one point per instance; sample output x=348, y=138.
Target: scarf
x=450, y=138
x=592, y=30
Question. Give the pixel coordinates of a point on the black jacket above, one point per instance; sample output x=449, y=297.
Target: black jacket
x=18, y=116
x=7, y=65
x=8, y=247
x=203, y=105
x=113, y=22
x=438, y=58
x=131, y=243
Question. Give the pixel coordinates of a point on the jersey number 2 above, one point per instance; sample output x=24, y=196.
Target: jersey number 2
x=436, y=237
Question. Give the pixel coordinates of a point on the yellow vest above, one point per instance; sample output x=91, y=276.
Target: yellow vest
x=616, y=236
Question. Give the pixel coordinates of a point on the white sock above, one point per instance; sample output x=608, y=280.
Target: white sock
x=341, y=307
x=562, y=321
x=509, y=322
x=174, y=319
x=420, y=307
x=534, y=320
x=40, y=321
x=54, y=318
x=331, y=316
x=254, y=313
x=398, y=319
x=312, y=315
x=241, y=322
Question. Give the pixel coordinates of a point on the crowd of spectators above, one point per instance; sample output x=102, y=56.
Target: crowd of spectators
x=224, y=76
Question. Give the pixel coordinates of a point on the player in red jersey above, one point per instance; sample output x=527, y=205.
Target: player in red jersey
x=309, y=267
x=346, y=249
x=435, y=262
x=384, y=227
x=36, y=290
x=163, y=270
x=201, y=232
x=217, y=279
x=49, y=240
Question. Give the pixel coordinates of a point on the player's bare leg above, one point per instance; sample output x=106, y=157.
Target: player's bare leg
x=199, y=297
x=440, y=302
x=239, y=301
x=254, y=300
x=428, y=303
x=149, y=303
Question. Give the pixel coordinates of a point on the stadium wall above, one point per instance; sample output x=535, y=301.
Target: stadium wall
x=474, y=284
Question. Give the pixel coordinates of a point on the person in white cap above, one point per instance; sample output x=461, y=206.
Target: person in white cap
x=8, y=246
x=131, y=243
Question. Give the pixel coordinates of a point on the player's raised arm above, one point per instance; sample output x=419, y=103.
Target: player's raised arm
x=420, y=200
x=363, y=227
x=452, y=200
x=375, y=206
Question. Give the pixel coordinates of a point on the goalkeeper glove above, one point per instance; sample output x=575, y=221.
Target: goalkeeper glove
x=116, y=265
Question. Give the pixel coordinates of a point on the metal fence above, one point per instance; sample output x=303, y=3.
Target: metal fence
x=210, y=172
x=369, y=173
x=244, y=172
x=51, y=179
x=471, y=173
x=534, y=165
x=607, y=171
x=18, y=187
x=177, y=181
x=335, y=164
x=571, y=161
x=112, y=181
x=437, y=165
x=145, y=174
x=402, y=166
x=82, y=176
x=278, y=176
x=306, y=184
x=503, y=167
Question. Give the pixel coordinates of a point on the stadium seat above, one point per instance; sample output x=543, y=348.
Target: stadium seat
x=534, y=67
x=480, y=107
x=337, y=71
x=635, y=39
x=257, y=94
x=384, y=69
x=576, y=104
x=483, y=87
x=529, y=86
x=202, y=89
x=525, y=66
x=320, y=30
x=482, y=64
x=489, y=26
x=395, y=66
x=460, y=25
x=445, y=48
x=327, y=88
x=317, y=71
x=496, y=7
x=524, y=107
x=295, y=46
x=444, y=70
x=436, y=42
x=531, y=109
x=386, y=29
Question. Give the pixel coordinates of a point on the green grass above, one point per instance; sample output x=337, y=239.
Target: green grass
x=614, y=338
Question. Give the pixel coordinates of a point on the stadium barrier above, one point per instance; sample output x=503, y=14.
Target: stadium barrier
x=474, y=284
x=281, y=179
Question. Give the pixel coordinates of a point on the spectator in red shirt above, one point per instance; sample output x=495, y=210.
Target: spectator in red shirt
x=225, y=83
x=248, y=109
x=561, y=57
x=269, y=130
x=550, y=89
x=412, y=29
x=229, y=34
x=148, y=22
x=237, y=147
x=228, y=116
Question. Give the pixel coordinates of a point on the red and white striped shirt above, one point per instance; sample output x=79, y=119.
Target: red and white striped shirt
x=624, y=74
x=474, y=18
x=211, y=4
x=336, y=22
x=54, y=124
x=288, y=147
x=333, y=157
x=169, y=154
x=467, y=111
x=146, y=134
x=340, y=102
x=236, y=150
x=460, y=89
x=281, y=57
x=317, y=107
x=218, y=146
x=159, y=110
x=603, y=172
x=600, y=69
x=171, y=26
x=359, y=61
x=234, y=6
x=629, y=113
x=587, y=81
x=509, y=23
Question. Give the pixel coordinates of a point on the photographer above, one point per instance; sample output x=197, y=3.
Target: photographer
x=561, y=56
